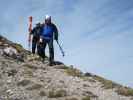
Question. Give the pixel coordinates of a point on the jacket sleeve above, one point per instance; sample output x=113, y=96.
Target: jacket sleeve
x=32, y=31
x=55, y=32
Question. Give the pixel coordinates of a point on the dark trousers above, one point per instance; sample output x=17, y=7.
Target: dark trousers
x=42, y=47
x=34, y=44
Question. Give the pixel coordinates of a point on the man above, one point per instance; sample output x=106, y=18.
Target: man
x=49, y=32
x=36, y=35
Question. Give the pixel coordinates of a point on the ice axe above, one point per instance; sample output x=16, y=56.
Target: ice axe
x=62, y=51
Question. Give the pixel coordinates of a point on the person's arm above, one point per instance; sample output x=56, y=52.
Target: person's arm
x=55, y=32
x=31, y=33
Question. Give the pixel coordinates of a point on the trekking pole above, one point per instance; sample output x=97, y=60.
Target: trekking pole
x=62, y=51
x=30, y=29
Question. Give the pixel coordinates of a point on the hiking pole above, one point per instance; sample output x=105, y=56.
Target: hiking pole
x=63, y=53
x=30, y=29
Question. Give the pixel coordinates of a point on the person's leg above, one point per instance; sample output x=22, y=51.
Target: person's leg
x=51, y=52
x=41, y=49
x=34, y=42
x=37, y=45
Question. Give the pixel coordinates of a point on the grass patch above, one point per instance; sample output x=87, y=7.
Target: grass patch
x=34, y=57
x=57, y=94
x=73, y=98
x=121, y=90
x=107, y=84
x=74, y=72
x=88, y=79
x=19, y=47
x=28, y=73
x=86, y=98
x=125, y=91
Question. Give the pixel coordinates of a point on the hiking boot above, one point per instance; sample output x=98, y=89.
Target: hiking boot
x=51, y=63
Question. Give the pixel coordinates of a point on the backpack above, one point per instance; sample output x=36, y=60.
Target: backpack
x=37, y=30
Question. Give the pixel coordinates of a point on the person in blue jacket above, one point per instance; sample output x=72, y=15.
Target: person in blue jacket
x=49, y=32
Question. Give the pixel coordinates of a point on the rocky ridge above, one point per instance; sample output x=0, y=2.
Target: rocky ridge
x=25, y=77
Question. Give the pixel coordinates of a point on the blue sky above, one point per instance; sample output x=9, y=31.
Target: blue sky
x=97, y=35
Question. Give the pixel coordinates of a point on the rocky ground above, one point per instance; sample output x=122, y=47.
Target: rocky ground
x=24, y=77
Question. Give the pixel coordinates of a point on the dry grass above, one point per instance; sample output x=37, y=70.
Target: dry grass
x=125, y=91
x=57, y=94
x=107, y=84
x=74, y=72
x=73, y=98
x=19, y=47
x=88, y=79
x=86, y=98
x=28, y=73
x=34, y=57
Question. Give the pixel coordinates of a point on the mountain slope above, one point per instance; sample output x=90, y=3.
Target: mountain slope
x=25, y=77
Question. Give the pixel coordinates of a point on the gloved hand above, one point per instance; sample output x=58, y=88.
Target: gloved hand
x=41, y=40
x=56, y=38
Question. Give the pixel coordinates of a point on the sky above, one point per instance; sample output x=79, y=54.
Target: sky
x=96, y=35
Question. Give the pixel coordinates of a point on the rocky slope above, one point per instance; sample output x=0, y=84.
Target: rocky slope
x=25, y=77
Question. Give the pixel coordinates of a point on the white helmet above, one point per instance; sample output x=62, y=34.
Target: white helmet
x=47, y=17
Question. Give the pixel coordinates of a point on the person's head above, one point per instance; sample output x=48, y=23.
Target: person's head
x=47, y=19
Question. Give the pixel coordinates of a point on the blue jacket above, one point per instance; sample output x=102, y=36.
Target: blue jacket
x=49, y=31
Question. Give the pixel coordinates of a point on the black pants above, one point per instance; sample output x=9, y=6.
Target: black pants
x=42, y=47
x=34, y=44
